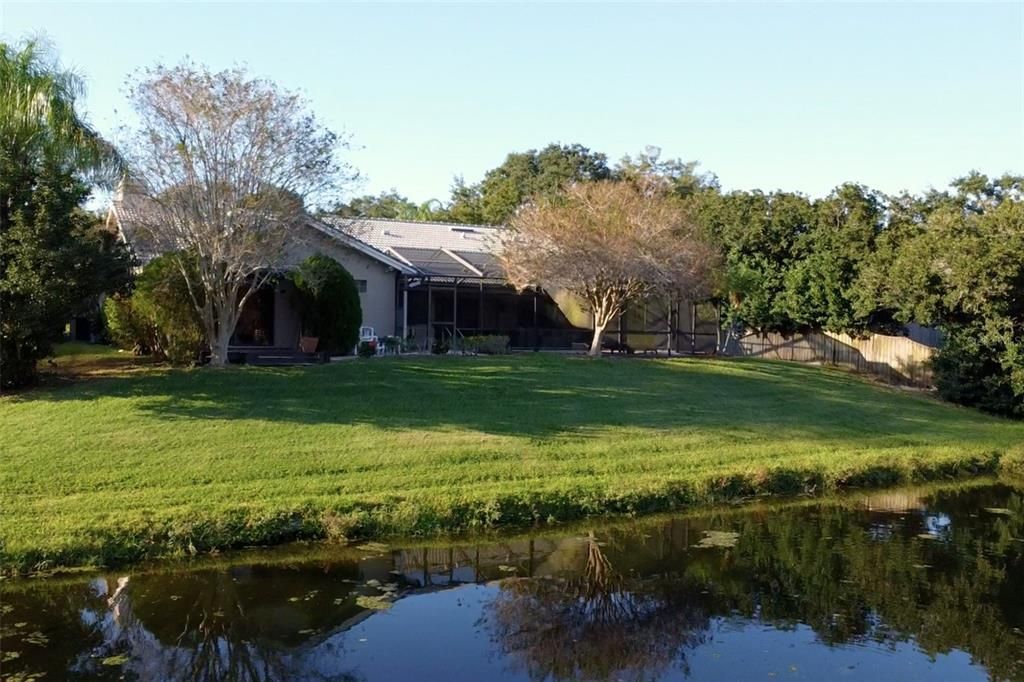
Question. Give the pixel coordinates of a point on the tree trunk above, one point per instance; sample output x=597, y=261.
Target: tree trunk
x=219, y=347
x=595, y=344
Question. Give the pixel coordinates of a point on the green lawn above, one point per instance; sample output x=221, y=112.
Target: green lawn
x=160, y=462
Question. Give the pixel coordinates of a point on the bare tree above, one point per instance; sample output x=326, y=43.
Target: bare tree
x=608, y=243
x=224, y=165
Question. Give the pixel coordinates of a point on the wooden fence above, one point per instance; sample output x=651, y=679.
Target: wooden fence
x=897, y=359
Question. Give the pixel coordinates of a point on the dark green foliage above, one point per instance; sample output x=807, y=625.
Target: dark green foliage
x=385, y=205
x=159, y=317
x=391, y=344
x=493, y=344
x=466, y=204
x=520, y=176
x=761, y=236
x=330, y=303
x=440, y=348
x=125, y=327
x=960, y=266
x=969, y=371
x=55, y=261
x=819, y=289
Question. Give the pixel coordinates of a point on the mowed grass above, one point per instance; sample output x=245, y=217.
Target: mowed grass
x=163, y=462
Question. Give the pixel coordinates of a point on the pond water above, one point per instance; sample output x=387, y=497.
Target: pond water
x=899, y=585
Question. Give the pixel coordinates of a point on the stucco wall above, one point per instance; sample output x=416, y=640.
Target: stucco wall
x=286, y=315
x=378, y=301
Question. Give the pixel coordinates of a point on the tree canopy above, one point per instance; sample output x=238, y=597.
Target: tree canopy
x=389, y=204
x=225, y=165
x=608, y=243
x=533, y=173
x=54, y=257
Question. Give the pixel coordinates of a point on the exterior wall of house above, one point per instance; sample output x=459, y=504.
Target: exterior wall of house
x=378, y=298
x=286, y=315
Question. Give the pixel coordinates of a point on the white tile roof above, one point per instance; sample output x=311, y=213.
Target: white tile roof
x=387, y=234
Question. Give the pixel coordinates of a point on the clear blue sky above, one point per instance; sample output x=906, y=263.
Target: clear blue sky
x=793, y=96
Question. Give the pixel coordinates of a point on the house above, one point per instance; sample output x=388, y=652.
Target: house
x=422, y=281
x=431, y=282
x=451, y=285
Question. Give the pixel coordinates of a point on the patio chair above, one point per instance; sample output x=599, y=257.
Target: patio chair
x=368, y=335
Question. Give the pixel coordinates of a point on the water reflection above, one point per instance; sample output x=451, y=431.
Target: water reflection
x=889, y=586
x=596, y=622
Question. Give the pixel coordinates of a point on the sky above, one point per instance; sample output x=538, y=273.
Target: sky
x=794, y=96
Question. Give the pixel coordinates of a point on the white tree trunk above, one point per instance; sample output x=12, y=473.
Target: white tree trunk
x=223, y=326
x=595, y=344
x=219, y=348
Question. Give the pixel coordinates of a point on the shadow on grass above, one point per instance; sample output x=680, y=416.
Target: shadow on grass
x=540, y=396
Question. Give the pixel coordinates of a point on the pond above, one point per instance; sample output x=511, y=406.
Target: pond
x=899, y=585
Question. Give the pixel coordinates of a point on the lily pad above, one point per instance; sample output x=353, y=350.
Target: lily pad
x=378, y=547
x=719, y=538
x=999, y=510
x=37, y=638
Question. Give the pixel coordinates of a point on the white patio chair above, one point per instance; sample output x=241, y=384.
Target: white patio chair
x=368, y=334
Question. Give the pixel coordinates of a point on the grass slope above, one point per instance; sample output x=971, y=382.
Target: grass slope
x=161, y=462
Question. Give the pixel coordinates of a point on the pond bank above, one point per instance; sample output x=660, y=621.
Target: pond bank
x=902, y=584
x=170, y=463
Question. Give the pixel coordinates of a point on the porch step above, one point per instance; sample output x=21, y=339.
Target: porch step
x=280, y=356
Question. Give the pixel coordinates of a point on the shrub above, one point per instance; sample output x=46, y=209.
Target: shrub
x=367, y=349
x=440, y=348
x=125, y=326
x=485, y=345
x=158, y=317
x=329, y=303
x=969, y=372
x=392, y=344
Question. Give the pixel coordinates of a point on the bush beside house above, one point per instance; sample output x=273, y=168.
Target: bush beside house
x=330, y=305
x=158, y=317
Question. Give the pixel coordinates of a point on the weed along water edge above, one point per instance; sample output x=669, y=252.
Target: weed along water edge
x=910, y=584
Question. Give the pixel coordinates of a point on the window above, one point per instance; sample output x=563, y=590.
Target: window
x=361, y=285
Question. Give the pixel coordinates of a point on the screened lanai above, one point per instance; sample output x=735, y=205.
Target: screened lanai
x=463, y=293
x=449, y=284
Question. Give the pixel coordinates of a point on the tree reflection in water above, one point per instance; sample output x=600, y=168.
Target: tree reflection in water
x=201, y=628
x=597, y=623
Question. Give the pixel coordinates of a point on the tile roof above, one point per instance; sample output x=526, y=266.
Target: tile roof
x=386, y=234
x=444, y=250
x=439, y=250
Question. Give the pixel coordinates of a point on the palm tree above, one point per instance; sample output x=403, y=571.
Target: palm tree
x=38, y=120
